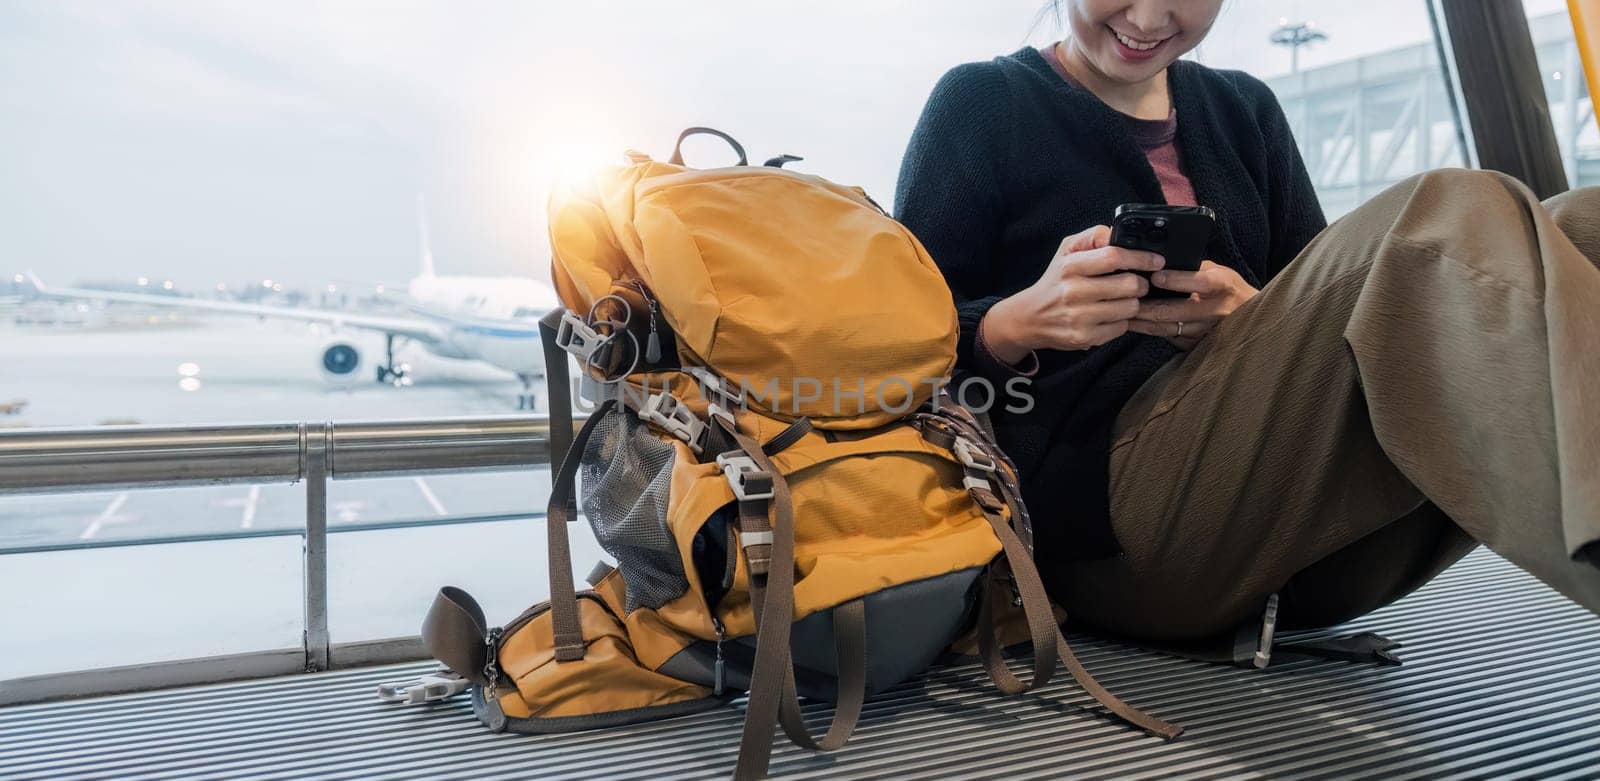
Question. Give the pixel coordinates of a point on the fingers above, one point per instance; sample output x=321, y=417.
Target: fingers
x=1085, y=325
x=1106, y=288
x=1113, y=311
x=1088, y=239
x=1108, y=259
x=1170, y=330
x=1172, y=310
x=1192, y=332
x=1206, y=282
x=1213, y=279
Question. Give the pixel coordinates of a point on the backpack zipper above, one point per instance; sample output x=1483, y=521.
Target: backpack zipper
x=524, y=617
x=491, y=664
x=716, y=681
x=652, y=345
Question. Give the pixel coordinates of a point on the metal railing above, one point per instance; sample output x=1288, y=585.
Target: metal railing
x=78, y=459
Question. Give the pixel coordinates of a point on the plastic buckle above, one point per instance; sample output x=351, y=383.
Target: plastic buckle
x=579, y=338
x=971, y=456
x=674, y=417
x=432, y=687
x=715, y=388
x=717, y=411
x=736, y=467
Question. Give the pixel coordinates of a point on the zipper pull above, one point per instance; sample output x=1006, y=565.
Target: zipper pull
x=494, y=716
x=720, y=667
x=491, y=667
x=652, y=345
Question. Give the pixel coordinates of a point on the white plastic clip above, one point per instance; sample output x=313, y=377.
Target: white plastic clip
x=975, y=460
x=579, y=338
x=715, y=389
x=432, y=687
x=735, y=466
x=972, y=457
x=718, y=412
x=664, y=410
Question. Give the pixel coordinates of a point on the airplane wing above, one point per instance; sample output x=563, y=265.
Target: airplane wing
x=420, y=330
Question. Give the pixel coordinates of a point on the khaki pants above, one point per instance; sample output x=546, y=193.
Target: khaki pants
x=1424, y=377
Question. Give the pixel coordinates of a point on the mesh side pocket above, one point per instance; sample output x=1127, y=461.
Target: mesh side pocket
x=625, y=474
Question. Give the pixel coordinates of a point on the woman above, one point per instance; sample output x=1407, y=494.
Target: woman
x=1334, y=415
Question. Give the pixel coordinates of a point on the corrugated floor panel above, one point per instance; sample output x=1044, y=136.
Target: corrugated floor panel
x=1501, y=680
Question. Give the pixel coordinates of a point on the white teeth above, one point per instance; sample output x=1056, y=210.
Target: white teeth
x=1136, y=45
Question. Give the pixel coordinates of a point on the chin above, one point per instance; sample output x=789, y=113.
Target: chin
x=1118, y=69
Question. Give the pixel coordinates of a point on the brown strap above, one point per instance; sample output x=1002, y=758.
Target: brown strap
x=558, y=385
x=850, y=648
x=563, y=508
x=755, y=514
x=1034, y=604
x=787, y=437
x=1128, y=713
x=966, y=424
x=1048, y=641
x=453, y=632
x=772, y=597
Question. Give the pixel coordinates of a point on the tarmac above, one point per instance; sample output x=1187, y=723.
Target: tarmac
x=65, y=608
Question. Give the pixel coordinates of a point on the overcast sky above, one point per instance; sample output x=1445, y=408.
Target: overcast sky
x=209, y=141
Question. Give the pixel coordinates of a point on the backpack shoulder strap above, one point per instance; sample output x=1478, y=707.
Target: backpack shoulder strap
x=766, y=524
x=566, y=450
x=1048, y=641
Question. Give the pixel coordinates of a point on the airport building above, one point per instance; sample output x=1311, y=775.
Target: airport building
x=1365, y=123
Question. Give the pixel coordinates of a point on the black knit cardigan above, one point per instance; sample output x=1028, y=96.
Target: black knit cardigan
x=1006, y=160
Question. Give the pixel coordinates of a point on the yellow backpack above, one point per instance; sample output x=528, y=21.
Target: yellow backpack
x=794, y=504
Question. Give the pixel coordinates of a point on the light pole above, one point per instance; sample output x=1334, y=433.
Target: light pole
x=1295, y=36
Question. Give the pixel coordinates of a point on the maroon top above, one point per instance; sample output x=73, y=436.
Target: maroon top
x=1154, y=136
x=1157, y=138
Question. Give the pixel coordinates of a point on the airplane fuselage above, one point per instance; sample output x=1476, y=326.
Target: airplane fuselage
x=491, y=319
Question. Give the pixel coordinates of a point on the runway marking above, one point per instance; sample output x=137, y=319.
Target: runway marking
x=427, y=493
x=104, y=517
x=251, y=501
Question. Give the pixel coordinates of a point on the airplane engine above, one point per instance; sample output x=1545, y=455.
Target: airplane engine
x=340, y=362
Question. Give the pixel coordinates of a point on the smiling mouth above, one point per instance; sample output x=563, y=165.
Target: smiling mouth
x=1136, y=44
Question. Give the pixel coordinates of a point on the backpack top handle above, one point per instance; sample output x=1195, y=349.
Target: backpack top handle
x=677, y=149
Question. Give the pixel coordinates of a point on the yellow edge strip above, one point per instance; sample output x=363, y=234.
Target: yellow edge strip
x=1586, y=27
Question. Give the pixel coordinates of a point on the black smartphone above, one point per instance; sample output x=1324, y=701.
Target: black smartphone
x=1178, y=233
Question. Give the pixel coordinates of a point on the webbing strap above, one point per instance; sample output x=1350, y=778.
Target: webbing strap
x=1047, y=639
x=755, y=530
x=773, y=696
x=850, y=648
x=563, y=508
x=453, y=632
x=787, y=437
x=1035, y=605
x=772, y=596
x=755, y=525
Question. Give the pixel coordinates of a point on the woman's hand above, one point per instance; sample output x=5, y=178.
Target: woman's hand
x=1215, y=291
x=1079, y=302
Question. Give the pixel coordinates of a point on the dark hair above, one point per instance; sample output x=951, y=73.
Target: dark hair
x=1050, y=10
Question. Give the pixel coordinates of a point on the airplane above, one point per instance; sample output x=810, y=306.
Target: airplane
x=490, y=319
